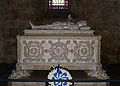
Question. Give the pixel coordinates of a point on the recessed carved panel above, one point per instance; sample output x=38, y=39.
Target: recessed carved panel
x=83, y=51
x=33, y=51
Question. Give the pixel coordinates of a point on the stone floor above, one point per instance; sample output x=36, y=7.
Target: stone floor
x=113, y=70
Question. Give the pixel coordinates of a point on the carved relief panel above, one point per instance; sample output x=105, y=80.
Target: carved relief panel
x=36, y=49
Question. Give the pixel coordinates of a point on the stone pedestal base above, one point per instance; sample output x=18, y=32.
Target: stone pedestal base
x=92, y=84
x=19, y=73
x=100, y=74
x=43, y=84
x=27, y=84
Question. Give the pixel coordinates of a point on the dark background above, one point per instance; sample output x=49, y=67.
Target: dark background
x=102, y=15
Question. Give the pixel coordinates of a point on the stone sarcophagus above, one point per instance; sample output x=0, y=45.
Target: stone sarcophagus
x=72, y=46
x=41, y=50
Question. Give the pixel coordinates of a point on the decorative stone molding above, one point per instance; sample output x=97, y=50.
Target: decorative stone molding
x=59, y=32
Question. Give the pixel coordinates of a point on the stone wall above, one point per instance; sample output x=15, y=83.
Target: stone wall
x=102, y=15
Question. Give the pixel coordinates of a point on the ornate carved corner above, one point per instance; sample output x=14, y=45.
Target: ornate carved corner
x=19, y=73
x=99, y=74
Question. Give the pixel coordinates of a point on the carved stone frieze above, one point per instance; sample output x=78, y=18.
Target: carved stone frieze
x=58, y=49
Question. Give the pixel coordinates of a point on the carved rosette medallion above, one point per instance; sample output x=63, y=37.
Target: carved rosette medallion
x=59, y=51
x=33, y=51
x=83, y=51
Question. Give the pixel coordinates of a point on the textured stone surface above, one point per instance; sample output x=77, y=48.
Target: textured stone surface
x=102, y=15
x=27, y=84
x=43, y=84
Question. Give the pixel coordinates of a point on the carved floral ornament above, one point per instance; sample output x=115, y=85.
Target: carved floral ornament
x=84, y=50
x=34, y=51
x=59, y=51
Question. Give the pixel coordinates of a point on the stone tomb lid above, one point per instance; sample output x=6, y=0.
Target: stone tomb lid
x=58, y=32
